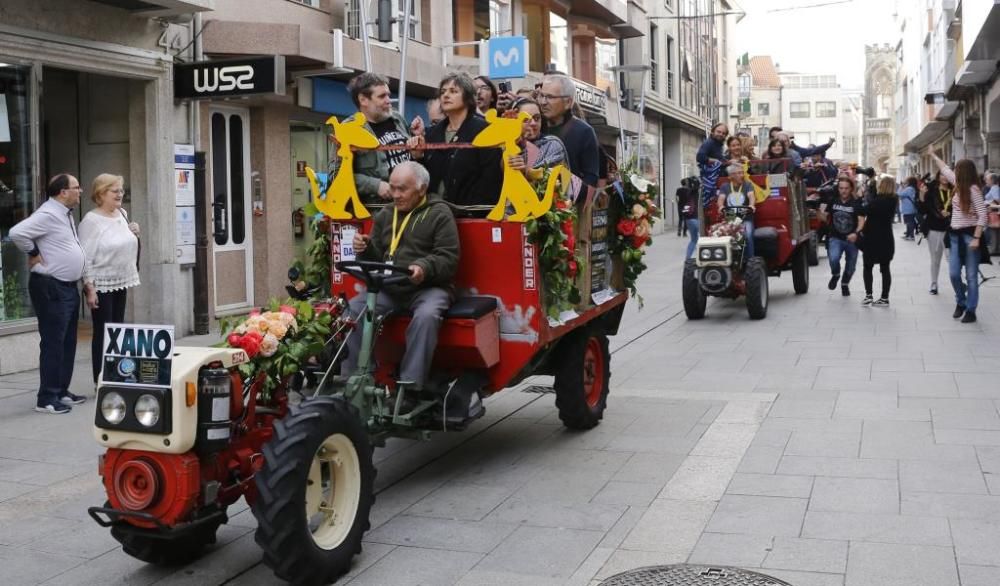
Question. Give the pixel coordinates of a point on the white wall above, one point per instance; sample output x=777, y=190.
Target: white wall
x=813, y=129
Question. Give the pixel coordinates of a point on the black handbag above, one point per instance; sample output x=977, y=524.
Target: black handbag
x=138, y=253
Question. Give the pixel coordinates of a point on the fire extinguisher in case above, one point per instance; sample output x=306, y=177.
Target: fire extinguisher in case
x=299, y=223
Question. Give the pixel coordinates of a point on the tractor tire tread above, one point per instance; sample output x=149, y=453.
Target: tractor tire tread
x=756, y=288
x=571, y=402
x=691, y=293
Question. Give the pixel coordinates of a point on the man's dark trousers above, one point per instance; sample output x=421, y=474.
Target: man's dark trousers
x=57, y=306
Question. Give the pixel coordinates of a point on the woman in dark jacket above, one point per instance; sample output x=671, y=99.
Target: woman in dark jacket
x=879, y=245
x=462, y=176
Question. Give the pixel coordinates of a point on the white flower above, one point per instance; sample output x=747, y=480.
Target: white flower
x=269, y=345
x=641, y=184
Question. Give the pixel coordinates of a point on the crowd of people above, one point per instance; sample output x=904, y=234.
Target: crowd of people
x=951, y=211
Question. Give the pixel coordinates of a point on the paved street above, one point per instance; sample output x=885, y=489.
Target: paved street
x=827, y=445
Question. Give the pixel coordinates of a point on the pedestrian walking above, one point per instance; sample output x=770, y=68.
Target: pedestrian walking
x=111, y=243
x=935, y=202
x=56, y=260
x=993, y=211
x=968, y=222
x=878, y=245
x=689, y=214
x=847, y=220
x=908, y=207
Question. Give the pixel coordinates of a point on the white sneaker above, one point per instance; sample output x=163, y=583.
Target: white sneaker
x=867, y=301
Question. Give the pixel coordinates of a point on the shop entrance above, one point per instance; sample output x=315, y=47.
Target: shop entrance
x=232, y=253
x=309, y=147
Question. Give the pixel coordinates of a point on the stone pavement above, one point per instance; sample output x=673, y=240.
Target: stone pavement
x=828, y=444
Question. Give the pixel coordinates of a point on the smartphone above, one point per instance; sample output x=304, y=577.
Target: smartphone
x=504, y=87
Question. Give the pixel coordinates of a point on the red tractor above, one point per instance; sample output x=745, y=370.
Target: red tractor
x=782, y=239
x=178, y=456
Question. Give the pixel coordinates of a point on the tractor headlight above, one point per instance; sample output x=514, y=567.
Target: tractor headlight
x=705, y=254
x=147, y=410
x=719, y=254
x=113, y=408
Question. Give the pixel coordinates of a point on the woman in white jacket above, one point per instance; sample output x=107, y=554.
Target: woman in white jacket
x=111, y=243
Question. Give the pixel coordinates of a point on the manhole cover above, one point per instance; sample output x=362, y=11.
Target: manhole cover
x=690, y=575
x=540, y=389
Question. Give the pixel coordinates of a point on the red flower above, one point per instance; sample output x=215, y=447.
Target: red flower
x=561, y=204
x=255, y=312
x=567, y=227
x=626, y=227
x=638, y=241
x=251, y=343
x=288, y=309
x=570, y=242
x=573, y=268
x=233, y=340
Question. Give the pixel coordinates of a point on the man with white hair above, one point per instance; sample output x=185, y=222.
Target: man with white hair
x=420, y=234
x=555, y=100
x=739, y=193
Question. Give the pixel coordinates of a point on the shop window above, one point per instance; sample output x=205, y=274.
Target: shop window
x=558, y=43
x=17, y=194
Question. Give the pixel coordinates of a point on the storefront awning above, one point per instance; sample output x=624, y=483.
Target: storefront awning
x=929, y=134
x=158, y=8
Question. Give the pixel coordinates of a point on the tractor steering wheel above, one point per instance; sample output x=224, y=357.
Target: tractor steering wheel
x=376, y=275
x=738, y=211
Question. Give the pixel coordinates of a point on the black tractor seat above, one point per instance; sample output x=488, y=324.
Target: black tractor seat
x=470, y=307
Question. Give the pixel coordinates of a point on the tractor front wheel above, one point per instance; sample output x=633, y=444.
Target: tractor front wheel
x=757, y=290
x=583, y=369
x=315, y=492
x=800, y=269
x=691, y=293
x=166, y=552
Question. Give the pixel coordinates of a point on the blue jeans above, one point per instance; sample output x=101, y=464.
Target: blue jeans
x=692, y=228
x=911, y=224
x=57, y=305
x=846, y=248
x=748, y=234
x=962, y=255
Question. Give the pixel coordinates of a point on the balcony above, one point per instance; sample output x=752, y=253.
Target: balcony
x=160, y=8
x=880, y=124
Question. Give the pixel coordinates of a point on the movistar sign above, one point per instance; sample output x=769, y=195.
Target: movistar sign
x=505, y=57
x=230, y=77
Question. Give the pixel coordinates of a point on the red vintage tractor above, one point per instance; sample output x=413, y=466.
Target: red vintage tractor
x=178, y=457
x=782, y=238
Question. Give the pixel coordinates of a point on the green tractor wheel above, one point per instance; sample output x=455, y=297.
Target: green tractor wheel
x=315, y=491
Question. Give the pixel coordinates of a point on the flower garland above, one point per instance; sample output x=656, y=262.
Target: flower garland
x=281, y=340
x=555, y=236
x=633, y=233
x=733, y=228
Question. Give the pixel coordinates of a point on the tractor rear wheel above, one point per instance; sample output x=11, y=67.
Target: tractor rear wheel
x=583, y=370
x=800, y=269
x=757, y=293
x=315, y=491
x=166, y=552
x=691, y=293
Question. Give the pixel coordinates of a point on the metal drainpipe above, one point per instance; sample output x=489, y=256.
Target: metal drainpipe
x=404, y=38
x=201, y=302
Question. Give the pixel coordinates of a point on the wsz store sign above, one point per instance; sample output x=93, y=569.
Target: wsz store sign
x=230, y=77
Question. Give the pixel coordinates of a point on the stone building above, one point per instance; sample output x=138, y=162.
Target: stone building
x=879, y=108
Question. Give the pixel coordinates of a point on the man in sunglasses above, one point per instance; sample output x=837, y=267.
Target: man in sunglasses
x=555, y=99
x=55, y=259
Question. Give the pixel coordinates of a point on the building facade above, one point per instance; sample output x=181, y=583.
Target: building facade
x=879, y=108
x=86, y=88
x=811, y=111
x=761, y=105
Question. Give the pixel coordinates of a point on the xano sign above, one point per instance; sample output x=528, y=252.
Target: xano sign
x=230, y=77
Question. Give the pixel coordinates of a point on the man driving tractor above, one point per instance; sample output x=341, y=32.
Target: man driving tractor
x=739, y=194
x=420, y=234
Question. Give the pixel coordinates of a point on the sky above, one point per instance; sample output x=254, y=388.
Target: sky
x=826, y=39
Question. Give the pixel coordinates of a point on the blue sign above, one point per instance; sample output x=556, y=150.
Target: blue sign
x=505, y=58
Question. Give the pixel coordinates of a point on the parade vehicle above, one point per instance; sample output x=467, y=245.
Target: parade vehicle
x=188, y=434
x=782, y=238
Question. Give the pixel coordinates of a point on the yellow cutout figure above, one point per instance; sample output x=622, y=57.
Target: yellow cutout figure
x=760, y=193
x=342, y=188
x=516, y=189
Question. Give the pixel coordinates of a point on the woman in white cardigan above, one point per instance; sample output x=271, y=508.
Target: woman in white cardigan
x=111, y=243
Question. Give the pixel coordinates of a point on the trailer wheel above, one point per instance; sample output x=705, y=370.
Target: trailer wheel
x=813, y=254
x=694, y=298
x=757, y=289
x=315, y=492
x=166, y=552
x=800, y=269
x=583, y=369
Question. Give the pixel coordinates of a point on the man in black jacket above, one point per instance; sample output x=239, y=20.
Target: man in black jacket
x=555, y=100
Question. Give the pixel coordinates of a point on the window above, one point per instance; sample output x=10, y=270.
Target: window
x=16, y=186
x=654, y=56
x=798, y=110
x=826, y=109
x=850, y=144
x=744, y=81
x=352, y=17
x=559, y=42
x=670, y=67
x=764, y=109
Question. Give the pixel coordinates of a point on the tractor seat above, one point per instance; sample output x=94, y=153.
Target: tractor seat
x=471, y=307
